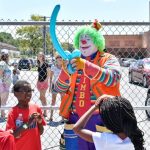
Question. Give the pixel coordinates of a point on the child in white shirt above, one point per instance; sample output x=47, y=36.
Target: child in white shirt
x=55, y=71
x=118, y=116
x=15, y=75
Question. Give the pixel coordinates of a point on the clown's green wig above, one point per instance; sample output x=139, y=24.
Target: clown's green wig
x=96, y=36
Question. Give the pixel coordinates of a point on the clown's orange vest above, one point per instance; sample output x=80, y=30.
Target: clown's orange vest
x=97, y=87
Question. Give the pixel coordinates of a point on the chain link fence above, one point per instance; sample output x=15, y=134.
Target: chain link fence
x=125, y=40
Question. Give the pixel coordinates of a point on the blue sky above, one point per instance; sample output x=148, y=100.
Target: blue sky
x=103, y=10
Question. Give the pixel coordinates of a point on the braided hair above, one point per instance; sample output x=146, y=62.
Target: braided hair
x=118, y=116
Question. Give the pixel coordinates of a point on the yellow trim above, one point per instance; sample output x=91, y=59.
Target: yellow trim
x=64, y=106
x=68, y=126
x=98, y=128
x=102, y=129
x=99, y=91
x=95, y=77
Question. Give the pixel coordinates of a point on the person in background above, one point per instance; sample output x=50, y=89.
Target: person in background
x=118, y=116
x=28, y=129
x=15, y=75
x=55, y=71
x=7, y=141
x=43, y=77
x=5, y=80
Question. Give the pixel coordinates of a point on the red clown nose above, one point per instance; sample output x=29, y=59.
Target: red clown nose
x=83, y=41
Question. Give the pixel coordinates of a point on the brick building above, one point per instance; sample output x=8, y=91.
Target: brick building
x=135, y=46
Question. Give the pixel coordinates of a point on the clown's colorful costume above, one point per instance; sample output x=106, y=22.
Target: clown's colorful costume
x=97, y=73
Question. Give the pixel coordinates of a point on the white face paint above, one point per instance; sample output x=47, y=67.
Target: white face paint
x=86, y=45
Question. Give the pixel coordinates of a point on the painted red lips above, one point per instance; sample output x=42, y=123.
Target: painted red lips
x=85, y=47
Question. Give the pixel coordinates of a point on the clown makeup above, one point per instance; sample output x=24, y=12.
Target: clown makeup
x=87, y=46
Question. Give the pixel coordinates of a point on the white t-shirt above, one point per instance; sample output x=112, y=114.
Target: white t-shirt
x=110, y=141
x=6, y=76
x=56, y=72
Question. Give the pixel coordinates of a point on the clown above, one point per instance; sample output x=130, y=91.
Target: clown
x=97, y=73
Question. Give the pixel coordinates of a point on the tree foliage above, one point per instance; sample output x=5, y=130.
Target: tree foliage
x=31, y=37
x=68, y=46
x=7, y=38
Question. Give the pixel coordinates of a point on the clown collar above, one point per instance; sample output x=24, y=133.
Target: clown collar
x=91, y=56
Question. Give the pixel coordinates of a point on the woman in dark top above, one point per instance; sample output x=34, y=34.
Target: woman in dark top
x=43, y=77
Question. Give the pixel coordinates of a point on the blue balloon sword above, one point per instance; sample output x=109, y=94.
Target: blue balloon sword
x=66, y=55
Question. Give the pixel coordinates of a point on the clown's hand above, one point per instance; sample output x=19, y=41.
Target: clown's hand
x=78, y=63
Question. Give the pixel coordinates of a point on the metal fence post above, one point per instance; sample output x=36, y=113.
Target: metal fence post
x=44, y=37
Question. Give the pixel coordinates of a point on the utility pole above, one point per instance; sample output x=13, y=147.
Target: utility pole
x=149, y=14
x=44, y=37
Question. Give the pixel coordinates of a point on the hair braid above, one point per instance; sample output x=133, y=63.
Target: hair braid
x=130, y=127
x=118, y=116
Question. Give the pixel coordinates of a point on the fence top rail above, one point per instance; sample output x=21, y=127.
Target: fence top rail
x=56, y=107
x=72, y=23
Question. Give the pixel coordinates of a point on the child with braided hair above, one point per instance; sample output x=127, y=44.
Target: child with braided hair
x=118, y=116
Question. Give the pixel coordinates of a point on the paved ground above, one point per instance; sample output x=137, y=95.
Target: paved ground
x=136, y=94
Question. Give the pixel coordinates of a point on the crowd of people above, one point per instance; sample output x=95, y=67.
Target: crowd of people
x=47, y=76
x=33, y=118
x=97, y=116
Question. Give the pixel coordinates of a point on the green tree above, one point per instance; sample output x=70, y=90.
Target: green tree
x=7, y=38
x=31, y=37
x=67, y=46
